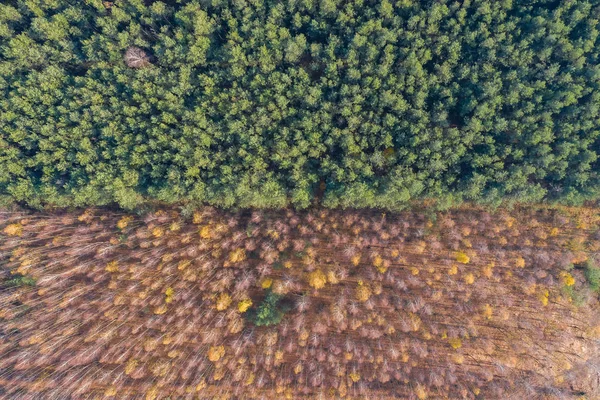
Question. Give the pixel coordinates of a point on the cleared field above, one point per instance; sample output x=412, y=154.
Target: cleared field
x=465, y=304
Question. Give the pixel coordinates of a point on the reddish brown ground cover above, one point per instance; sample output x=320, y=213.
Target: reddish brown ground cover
x=465, y=304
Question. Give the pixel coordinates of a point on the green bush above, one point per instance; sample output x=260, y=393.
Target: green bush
x=270, y=103
x=268, y=312
x=578, y=296
x=19, y=281
x=592, y=274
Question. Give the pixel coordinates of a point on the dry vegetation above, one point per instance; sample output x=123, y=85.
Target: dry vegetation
x=465, y=304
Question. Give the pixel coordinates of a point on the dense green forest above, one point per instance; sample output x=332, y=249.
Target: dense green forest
x=265, y=103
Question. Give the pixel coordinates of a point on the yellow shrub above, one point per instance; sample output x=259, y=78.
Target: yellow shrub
x=250, y=380
x=331, y=278
x=158, y=232
x=160, y=309
x=530, y=289
x=197, y=217
x=110, y=391
x=215, y=353
x=19, y=251
x=377, y=261
x=487, y=311
x=354, y=376
x=317, y=279
x=356, y=260
x=567, y=279
x=183, y=264
x=453, y=270
x=205, y=232
x=488, y=270
x=377, y=288
x=169, y=293
x=520, y=262
x=13, y=230
x=85, y=217
x=420, y=247
x=112, y=266
x=131, y=366
x=123, y=222
x=382, y=269
x=266, y=283
x=152, y=393
x=244, y=305
x=469, y=278
x=462, y=257
x=582, y=224
x=287, y=264
x=363, y=292
x=303, y=334
x=223, y=301
x=420, y=392
x=237, y=255
x=458, y=358
x=456, y=343
x=415, y=322
x=355, y=324
x=221, y=228
x=150, y=344
x=219, y=374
